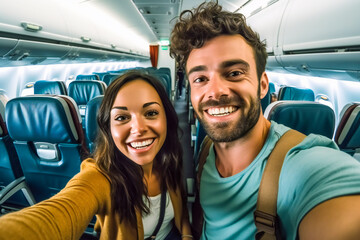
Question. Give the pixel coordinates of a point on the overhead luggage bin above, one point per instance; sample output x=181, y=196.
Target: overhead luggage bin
x=317, y=38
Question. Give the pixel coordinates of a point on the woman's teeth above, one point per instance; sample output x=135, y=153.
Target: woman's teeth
x=141, y=144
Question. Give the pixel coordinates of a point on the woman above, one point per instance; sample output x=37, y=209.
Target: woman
x=137, y=157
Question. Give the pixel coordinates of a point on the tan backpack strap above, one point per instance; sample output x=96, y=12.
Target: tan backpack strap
x=197, y=212
x=204, y=152
x=265, y=216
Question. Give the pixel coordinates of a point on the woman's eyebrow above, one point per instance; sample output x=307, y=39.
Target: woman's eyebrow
x=119, y=107
x=150, y=103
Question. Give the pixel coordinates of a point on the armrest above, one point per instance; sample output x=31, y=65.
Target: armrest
x=15, y=186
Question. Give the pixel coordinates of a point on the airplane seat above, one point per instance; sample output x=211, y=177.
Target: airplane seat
x=271, y=87
x=200, y=135
x=265, y=101
x=347, y=135
x=48, y=138
x=84, y=77
x=83, y=91
x=50, y=87
x=108, y=78
x=165, y=80
x=10, y=169
x=304, y=116
x=293, y=93
x=91, y=126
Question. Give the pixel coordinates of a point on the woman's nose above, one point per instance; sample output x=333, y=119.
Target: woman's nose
x=138, y=126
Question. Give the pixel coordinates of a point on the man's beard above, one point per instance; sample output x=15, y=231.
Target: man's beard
x=226, y=131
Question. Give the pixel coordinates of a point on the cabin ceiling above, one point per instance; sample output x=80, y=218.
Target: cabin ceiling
x=161, y=15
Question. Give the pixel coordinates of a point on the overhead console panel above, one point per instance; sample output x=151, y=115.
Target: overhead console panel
x=317, y=38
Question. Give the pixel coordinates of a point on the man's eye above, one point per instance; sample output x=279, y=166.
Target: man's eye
x=234, y=73
x=152, y=113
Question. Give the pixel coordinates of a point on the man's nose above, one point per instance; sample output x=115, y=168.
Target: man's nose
x=217, y=87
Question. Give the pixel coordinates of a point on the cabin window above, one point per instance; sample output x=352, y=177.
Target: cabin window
x=28, y=89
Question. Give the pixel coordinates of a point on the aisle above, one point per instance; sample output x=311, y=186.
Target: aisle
x=181, y=109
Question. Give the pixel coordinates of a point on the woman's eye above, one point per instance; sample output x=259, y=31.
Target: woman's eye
x=152, y=113
x=121, y=118
x=198, y=80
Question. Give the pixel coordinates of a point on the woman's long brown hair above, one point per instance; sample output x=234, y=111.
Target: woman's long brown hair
x=127, y=185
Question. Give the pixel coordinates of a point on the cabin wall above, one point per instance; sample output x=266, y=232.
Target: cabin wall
x=14, y=79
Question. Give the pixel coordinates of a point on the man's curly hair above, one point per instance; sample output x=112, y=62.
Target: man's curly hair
x=197, y=26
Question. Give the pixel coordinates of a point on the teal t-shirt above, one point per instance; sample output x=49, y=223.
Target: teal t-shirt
x=313, y=171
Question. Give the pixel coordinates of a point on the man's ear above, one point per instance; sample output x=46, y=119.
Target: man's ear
x=264, y=85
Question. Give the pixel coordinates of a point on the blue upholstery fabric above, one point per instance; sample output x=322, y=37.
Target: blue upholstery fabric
x=87, y=77
x=83, y=91
x=305, y=116
x=265, y=101
x=292, y=93
x=108, y=78
x=91, y=126
x=200, y=135
x=50, y=87
x=10, y=168
x=347, y=134
x=33, y=119
x=271, y=87
x=43, y=126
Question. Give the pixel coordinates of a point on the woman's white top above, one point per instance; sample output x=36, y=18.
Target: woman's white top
x=151, y=220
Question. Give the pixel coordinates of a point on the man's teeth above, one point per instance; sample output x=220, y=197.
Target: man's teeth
x=221, y=111
x=142, y=144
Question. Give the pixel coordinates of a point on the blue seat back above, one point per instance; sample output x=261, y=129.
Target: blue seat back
x=304, y=116
x=200, y=135
x=10, y=168
x=91, y=126
x=83, y=91
x=293, y=93
x=165, y=80
x=87, y=77
x=49, y=141
x=50, y=87
x=347, y=134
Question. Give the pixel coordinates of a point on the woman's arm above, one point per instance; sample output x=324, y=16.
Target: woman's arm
x=64, y=216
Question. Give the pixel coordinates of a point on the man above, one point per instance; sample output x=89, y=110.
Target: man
x=319, y=186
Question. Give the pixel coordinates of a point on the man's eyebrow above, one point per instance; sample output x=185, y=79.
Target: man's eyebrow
x=197, y=69
x=231, y=63
x=150, y=103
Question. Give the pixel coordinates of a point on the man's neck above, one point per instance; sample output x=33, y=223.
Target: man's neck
x=233, y=157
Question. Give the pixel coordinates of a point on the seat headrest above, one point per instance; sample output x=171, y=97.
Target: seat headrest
x=83, y=91
x=304, y=116
x=91, y=126
x=348, y=132
x=88, y=77
x=44, y=118
x=50, y=87
x=292, y=93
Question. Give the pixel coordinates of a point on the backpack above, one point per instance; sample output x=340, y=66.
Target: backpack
x=265, y=216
